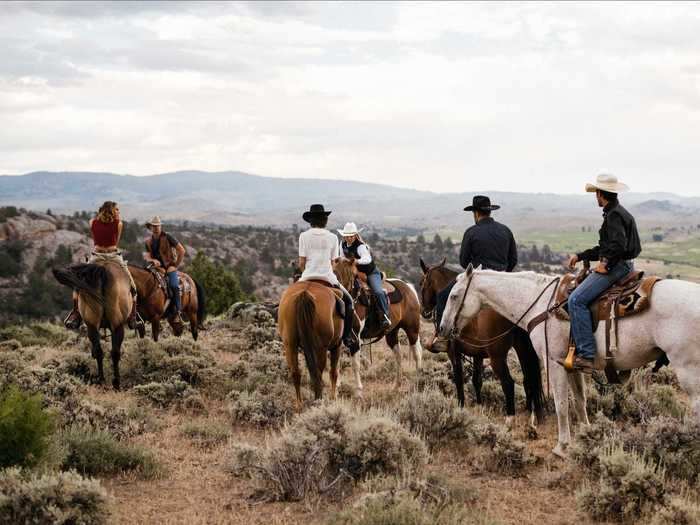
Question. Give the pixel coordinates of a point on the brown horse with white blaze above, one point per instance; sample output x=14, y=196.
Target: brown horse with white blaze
x=104, y=301
x=308, y=320
x=404, y=315
x=153, y=301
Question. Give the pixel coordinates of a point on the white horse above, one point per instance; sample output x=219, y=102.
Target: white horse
x=672, y=323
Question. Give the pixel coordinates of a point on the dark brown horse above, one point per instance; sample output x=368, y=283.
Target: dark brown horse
x=404, y=315
x=153, y=301
x=104, y=301
x=308, y=320
x=487, y=325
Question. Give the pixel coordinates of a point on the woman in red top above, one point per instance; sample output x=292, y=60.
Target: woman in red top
x=106, y=231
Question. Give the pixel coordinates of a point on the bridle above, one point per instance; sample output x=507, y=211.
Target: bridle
x=485, y=343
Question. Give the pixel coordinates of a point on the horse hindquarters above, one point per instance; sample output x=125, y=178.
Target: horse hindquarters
x=308, y=339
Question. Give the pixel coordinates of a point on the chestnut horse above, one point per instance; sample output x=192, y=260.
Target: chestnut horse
x=404, y=315
x=476, y=341
x=308, y=319
x=104, y=301
x=153, y=302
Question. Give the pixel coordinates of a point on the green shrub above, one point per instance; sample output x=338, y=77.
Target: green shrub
x=98, y=452
x=628, y=487
x=270, y=405
x=50, y=499
x=327, y=446
x=221, y=283
x=434, y=417
x=590, y=440
x=671, y=443
x=78, y=364
x=33, y=334
x=678, y=511
x=118, y=421
x=206, y=434
x=173, y=392
x=25, y=428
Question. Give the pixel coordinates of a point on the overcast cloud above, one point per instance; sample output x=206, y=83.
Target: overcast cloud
x=445, y=97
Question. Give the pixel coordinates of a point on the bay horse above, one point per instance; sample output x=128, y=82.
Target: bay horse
x=153, y=302
x=404, y=315
x=475, y=340
x=308, y=319
x=669, y=325
x=104, y=301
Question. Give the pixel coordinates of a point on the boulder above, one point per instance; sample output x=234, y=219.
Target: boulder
x=244, y=314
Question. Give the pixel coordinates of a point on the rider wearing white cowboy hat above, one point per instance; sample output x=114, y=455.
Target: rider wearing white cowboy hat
x=619, y=244
x=355, y=249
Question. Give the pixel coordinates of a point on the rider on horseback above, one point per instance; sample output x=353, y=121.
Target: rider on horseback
x=318, y=250
x=166, y=252
x=106, y=231
x=619, y=244
x=355, y=249
x=488, y=243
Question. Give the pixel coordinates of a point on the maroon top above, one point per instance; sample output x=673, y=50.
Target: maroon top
x=105, y=233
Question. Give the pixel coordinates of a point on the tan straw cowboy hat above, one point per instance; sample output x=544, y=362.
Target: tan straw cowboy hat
x=155, y=221
x=607, y=182
x=349, y=229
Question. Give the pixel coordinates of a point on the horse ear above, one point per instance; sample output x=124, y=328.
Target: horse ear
x=423, y=266
x=478, y=267
x=469, y=269
x=442, y=263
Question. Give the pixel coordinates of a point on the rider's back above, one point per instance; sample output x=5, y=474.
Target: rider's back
x=319, y=247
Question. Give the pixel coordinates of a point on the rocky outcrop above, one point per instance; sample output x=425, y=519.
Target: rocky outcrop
x=27, y=227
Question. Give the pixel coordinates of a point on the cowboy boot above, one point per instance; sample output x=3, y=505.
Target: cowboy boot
x=73, y=319
x=134, y=321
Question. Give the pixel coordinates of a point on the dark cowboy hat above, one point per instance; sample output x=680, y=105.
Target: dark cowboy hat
x=481, y=203
x=316, y=210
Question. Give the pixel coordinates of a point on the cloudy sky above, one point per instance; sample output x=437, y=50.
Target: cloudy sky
x=445, y=97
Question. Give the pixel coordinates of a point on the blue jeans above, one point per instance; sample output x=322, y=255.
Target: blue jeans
x=580, y=300
x=174, y=285
x=374, y=280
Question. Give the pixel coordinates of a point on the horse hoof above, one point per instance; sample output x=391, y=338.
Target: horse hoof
x=560, y=451
x=359, y=394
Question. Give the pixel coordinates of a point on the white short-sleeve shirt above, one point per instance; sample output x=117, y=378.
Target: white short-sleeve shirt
x=320, y=247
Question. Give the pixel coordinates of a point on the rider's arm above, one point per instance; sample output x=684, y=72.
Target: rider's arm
x=591, y=254
x=364, y=253
x=180, y=250
x=147, y=254
x=120, y=229
x=302, y=264
x=465, y=254
x=614, y=248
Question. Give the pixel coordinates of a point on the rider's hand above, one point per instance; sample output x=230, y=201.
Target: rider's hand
x=572, y=261
x=171, y=269
x=156, y=264
x=601, y=268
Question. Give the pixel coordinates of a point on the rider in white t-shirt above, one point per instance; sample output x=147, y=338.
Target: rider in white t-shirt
x=318, y=249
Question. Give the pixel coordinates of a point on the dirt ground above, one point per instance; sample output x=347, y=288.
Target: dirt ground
x=195, y=487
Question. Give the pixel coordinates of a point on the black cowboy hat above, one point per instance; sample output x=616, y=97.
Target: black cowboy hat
x=481, y=203
x=316, y=210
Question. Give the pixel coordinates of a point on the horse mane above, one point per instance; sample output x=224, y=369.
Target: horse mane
x=92, y=279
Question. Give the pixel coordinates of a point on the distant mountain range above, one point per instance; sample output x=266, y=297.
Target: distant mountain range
x=234, y=197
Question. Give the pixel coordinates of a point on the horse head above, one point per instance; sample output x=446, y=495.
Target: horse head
x=461, y=305
x=431, y=283
x=346, y=272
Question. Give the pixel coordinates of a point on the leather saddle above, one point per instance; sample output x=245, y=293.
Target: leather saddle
x=339, y=304
x=630, y=295
x=392, y=292
x=159, y=274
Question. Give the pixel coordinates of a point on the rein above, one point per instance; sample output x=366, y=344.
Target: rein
x=485, y=343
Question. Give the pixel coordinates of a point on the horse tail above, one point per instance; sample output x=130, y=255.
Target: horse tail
x=92, y=279
x=532, y=376
x=201, y=304
x=307, y=338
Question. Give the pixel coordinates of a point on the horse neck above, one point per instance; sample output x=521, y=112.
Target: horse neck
x=511, y=294
x=150, y=281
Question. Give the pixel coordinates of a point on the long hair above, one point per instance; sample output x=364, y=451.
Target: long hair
x=107, y=212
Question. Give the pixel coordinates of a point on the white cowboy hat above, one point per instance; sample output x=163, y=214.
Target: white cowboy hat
x=607, y=182
x=155, y=221
x=349, y=229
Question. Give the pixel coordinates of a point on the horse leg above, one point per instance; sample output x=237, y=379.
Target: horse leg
x=292, y=358
x=579, y=390
x=335, y=355
x=500, y=368
x=355, y=360
x=192, y=317
x=117, y=339
x=392, y=339
x=94, y=336
x=455, y=354
x=155, y=328
x=560, y=392
x=478, y=377
x=321, y=357
x=415, y=348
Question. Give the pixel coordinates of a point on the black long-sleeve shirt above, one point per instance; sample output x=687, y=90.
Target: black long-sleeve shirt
x=619, y=238
x=490, y=244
